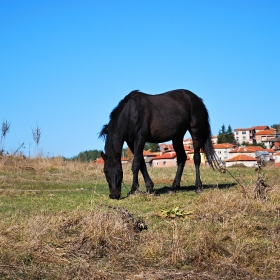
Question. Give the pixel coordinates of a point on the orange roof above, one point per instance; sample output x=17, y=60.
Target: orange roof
x=124, y=159
x=277, y=154
x=186, y=148
x=247, y=149
x=277, y=164
x=242, y=158
x=149, y=153
x=99, y=161
x=265, y=132
x=260, y=127
x=170, y=155
x=223, y=146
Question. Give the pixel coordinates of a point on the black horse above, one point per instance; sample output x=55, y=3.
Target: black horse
x=141, y=118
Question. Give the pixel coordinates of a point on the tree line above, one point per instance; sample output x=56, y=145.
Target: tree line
x=92, y=155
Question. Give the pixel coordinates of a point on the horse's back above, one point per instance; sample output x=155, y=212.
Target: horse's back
x=162, y=116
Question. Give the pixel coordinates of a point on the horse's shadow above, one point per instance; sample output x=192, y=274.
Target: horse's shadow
x=166, y=189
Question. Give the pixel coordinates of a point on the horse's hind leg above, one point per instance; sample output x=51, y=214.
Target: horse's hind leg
x=181, y=160
x=197, y=161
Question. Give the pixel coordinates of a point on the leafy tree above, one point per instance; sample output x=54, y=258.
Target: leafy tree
x=128, y=153
x=222, y=135
x=154, y=147
x=87, y=156
x=225, y=136
x=276, y=126
x=256, y=144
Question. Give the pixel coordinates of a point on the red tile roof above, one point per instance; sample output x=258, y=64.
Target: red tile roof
x=260, y=127
x=265, y=132
x=247, y=149
x=223, y=146
x=269, y=150
x=169, y=155
x=186, y=148
x=149, y=153
x=99, y=161
x=241, y=158
x=277, y=164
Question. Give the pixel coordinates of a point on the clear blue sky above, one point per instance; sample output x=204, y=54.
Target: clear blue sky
x=64, y=65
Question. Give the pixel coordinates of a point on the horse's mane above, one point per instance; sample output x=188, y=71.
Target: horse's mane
x=116, y=112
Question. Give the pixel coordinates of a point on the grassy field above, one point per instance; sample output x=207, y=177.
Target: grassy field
x=57, y=222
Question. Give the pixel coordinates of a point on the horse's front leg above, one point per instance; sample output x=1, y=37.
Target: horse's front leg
x=137, y=149
x=135, y=171
x=148, y=182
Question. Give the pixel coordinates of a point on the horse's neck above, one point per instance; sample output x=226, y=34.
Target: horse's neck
x=114, y=142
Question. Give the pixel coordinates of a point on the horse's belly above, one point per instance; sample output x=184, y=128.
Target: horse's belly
x=166, y=130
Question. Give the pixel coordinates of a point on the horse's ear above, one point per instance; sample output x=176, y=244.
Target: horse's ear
x=104, y=156
x=118, y=156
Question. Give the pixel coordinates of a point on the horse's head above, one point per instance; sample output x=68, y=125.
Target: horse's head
x=114, y=174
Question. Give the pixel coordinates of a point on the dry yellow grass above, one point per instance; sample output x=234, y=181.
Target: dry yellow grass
x=67, y=228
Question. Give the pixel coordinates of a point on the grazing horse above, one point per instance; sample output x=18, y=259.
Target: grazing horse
x=141, y=118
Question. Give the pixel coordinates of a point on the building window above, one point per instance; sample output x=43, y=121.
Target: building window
x=164, y=163
x=243, y=132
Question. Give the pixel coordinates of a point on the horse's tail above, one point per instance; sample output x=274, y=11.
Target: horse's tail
x=207, y=145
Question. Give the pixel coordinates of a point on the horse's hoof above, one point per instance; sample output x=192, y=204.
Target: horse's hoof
x=132, y=192
x=199, y=190
x=172, y=190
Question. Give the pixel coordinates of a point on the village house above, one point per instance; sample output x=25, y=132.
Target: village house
x=148, y=156
x=276, y=157
x=188, y=143
x=165, y=160
x=257, y=134
x=245, y=150
x=190, y=155
x=242, y=159
x=244, y=135
x=214, y=139
x=222, y=150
